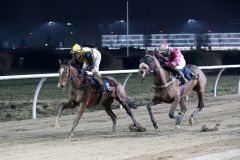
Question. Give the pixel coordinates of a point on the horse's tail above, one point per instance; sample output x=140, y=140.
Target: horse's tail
x=131, y=104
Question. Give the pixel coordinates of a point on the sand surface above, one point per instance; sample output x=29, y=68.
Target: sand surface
x=93, y=139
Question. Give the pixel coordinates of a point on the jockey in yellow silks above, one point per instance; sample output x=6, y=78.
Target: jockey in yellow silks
x=91, y=59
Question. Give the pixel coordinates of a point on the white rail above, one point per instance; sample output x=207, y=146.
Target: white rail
x=129, y=72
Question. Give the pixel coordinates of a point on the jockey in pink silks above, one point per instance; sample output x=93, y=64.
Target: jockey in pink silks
x=174, y=60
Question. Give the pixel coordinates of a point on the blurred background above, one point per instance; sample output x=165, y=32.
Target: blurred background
x=35, y=34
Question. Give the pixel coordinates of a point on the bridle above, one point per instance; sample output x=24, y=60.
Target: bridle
x=154, y=67
x=69, y=77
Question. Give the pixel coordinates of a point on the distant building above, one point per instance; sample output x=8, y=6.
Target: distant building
x=215, y=41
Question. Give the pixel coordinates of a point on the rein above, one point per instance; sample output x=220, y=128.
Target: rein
x=155, y=69
x=164, y=85
x=152, y=68
x=70, y=79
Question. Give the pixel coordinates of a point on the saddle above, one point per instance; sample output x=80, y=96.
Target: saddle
x=188, y=74
x=95, y=84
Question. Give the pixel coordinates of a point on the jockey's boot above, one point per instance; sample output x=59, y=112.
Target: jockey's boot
x=193, y=76
x=98, y=77
x=181, y=76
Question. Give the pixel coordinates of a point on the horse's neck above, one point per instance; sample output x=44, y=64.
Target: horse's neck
x=75, y=78
x=160, y=76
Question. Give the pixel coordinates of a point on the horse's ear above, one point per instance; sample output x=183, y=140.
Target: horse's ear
x=69, y=62
x=60, y=62
x=146, y=50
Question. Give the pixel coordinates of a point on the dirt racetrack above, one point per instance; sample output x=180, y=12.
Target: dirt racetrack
x=93, y=140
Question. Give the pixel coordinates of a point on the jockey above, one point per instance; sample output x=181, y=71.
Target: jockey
x=174, y=60
x=91, y=59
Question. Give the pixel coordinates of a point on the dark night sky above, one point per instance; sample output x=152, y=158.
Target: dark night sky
x=150, y=16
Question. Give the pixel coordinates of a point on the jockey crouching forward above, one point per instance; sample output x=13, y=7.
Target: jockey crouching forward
x=173, y=60
x=91, y=59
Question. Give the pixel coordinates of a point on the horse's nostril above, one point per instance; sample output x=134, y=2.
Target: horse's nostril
x=142, y=72
x=60, y=86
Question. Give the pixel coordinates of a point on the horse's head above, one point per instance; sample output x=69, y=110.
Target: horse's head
x=64, y=75
x=69, y=73
x=148, y=63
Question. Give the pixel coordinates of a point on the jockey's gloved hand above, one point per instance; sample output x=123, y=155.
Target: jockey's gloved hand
x=88, y=68
x=93, y=71
x=88, y=72
x=172, y=64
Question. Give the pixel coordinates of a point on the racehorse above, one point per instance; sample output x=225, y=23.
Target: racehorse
x=167, y=88
x=83, y=93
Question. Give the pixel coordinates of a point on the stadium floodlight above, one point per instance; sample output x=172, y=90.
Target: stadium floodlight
x=69, y=24
x=191, y=21
x=51, y=23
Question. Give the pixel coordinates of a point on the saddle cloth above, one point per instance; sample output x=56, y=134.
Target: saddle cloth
x=188, y=73
x=96, y=85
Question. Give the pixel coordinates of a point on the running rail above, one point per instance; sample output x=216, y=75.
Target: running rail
x=129, y=72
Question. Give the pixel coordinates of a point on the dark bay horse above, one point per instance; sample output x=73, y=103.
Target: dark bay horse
x=83, y=94
x=168, y=89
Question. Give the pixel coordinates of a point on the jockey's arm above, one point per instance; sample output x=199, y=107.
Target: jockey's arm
x=74, y=62
x=161, y=56
x=90, y=64
x=175, y=58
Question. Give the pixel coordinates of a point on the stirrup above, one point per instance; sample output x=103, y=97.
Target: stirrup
x=183, y=81
x=194, y=76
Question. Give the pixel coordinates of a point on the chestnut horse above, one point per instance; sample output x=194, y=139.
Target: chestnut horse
x=168, y=88
x=85, y=95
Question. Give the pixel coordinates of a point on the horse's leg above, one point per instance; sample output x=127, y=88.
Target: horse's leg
x=69, y=104
x=108, y=109
x=112, y=115
x=199, y=108
x=153, y=102
x=122, y=98
x=76, y=120
x=183, y=107
x=129, y=112
x=173, y=108
x=72, y=103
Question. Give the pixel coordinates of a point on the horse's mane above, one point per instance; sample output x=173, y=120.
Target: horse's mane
x=151, y=53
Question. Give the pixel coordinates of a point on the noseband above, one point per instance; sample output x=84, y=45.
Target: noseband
x=149, y=59
x=70, y=78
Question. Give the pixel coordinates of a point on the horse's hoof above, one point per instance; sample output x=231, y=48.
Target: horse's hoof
x=191, y=121
x=141, y=129
x=177, y=126
x=132, y=127
x=178, y=122
x=155, y=125
x=67, y=140
x=135, y=128
x=57, y=126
